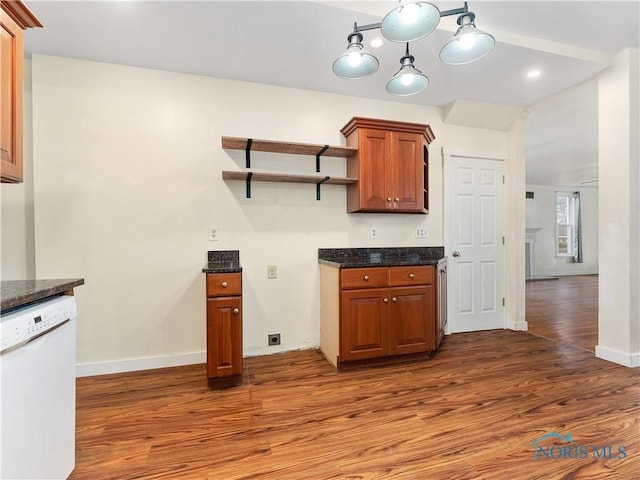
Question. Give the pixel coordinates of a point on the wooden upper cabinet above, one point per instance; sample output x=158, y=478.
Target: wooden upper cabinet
x=14, y=18
x=391, y=165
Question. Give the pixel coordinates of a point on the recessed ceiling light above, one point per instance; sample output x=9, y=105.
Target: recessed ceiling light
x=376, y=42
x=533, y=73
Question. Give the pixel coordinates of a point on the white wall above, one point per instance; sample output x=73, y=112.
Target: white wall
x=127, y=174
x=619, y=154
x=17, y=261
x=541, y=228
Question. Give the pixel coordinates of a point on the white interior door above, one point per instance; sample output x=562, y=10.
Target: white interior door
x=474, y=242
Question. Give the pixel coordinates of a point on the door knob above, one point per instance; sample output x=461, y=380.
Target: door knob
x=456, y=254
x=236, y=311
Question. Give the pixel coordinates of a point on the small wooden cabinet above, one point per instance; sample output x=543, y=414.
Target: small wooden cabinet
x=224, y=327
x=14, y=18
x=383, y=311
x=391, y=165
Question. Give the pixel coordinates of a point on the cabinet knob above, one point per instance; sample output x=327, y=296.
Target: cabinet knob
x=412, y=276
x=395, y=299
x=397, y=199
x=366, y=278
x=225, y=284
x=388, y=199
x=236, y=311
x=385, y=300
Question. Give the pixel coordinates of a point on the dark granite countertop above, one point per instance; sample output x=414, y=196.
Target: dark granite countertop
x=380, y=257
x=223, y=261
x=17, y=293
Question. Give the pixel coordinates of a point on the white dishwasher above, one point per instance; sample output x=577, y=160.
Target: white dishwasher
x=38, y=385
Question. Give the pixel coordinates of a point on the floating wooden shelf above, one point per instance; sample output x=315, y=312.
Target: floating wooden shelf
x=235, y=143
x=250, y=144
x=286, y=177
x=318, y=180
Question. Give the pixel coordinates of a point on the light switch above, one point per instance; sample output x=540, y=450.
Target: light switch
x=214, y=234
x=272, y=272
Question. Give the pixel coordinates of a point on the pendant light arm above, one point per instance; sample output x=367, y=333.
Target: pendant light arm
x=455, y=11
x=364, y=28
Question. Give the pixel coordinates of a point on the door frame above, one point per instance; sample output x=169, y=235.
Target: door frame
x=447, y=154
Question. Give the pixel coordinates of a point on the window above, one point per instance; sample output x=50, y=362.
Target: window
x=565, y=224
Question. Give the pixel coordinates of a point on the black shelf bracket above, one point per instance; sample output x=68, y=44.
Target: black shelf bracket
x=249, y=175
x=247, y=154
x=324, y=149
x=318, y=187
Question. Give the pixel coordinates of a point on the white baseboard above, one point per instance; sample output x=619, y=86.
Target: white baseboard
x=134, y=364
x=523, y=326
x=621, y=358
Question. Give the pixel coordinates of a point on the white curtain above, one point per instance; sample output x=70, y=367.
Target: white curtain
x=577, y=237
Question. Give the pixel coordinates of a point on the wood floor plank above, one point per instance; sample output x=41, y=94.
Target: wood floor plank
x=564, y=310
x=472, y=411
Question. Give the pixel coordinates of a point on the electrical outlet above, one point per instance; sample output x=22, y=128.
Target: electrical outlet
x=374, y=232
x=273, y=339
x=272, y=271
x=214, y=234
x=422, y=232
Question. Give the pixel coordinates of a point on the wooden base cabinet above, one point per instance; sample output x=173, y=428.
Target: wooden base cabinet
x=377, y=312
x=224, y=327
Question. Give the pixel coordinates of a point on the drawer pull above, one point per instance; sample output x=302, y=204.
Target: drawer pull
x=411, y=276
x=225, y=284
x=236, y=311
x=366, y=278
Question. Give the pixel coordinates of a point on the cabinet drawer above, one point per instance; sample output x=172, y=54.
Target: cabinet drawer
x=365, y=277
x=414, y=275
x=224, y=284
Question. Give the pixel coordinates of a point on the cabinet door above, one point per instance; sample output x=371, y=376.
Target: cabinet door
x=407, y=172
x=374, y=169
x=11, y=45
x=363, y=324
x=411, y=323
x=224, y=336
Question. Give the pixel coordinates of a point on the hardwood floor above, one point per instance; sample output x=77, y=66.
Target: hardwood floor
x=472, y=411
x=564, y=310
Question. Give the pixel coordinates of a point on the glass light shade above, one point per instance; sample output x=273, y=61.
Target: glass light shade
x=467, y=45
x=355, y=62
x=408, y=81
x=410, y=21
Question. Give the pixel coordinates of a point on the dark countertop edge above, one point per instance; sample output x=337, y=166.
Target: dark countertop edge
x=367, y=257
x=222, y=269
x=29, y=291
x=391, y=263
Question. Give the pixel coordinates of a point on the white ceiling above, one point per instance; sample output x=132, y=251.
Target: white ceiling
x=293, y=44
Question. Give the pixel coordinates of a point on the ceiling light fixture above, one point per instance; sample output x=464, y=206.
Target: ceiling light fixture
x=408, y=22
x=376, y=42
x=409, y=80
